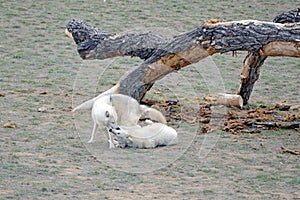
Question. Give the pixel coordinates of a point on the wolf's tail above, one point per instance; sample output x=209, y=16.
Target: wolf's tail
x=88, y=105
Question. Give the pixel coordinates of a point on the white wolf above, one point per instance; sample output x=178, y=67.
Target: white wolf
x=153, y=114
x=112, y=110
x=104, y=115
x=149, y=136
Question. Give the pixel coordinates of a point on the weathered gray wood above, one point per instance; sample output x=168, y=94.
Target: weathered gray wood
x=93, y=43
x=247, y=35
x=254, y=61
x=221, y=37
x=250, y=74
x=163, y=57
x=290, y=16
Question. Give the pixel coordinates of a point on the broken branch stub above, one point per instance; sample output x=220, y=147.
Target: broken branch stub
x=230, y=100
x=254, y=61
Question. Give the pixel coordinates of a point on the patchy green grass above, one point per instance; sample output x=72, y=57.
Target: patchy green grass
x=45, y=157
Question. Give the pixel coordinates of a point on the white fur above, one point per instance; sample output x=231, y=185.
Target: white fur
x=113, y=110
x=87, y=105
x=104, y=115
x=153, y=114
x=150, y=136
x=128, y=109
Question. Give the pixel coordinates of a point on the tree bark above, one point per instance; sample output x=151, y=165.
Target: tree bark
x=261, y=38
x=94, y=43
x=161, y=57
x=249, y=75
x=253, y=61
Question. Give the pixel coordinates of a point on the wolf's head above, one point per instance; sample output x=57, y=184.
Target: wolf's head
x=122, y=137
x=110, y=117
x=105, y=114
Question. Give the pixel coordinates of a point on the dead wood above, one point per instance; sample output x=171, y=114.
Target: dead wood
x=286, y=150
x=230, y=100
x=254, y=61
x=191, y=47
x=248, y=120
x=163, y=57
x=94, y=43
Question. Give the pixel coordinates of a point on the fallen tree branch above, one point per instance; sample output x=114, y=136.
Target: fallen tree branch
x=191, y=47
x=163, y=57
x=286, y=150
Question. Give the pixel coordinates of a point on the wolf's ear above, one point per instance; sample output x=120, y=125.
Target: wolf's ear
x=106, y=114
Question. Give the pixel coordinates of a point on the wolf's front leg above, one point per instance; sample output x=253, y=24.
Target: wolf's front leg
x=110, y=141
x=93, y=133
x=111, y=144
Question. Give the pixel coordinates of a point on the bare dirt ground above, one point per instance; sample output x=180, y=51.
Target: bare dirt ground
x=44, y=154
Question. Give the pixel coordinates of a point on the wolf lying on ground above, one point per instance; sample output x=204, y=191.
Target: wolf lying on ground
x=150, y=136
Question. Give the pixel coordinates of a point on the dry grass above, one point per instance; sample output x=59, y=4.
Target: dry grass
x=44, y=156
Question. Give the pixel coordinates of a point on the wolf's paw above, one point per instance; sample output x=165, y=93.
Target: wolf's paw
x=111, y=144
x=90, y=141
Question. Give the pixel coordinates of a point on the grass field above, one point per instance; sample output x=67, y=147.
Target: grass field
x=45, y=156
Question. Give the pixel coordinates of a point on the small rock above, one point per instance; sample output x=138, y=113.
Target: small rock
x=42, y=109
